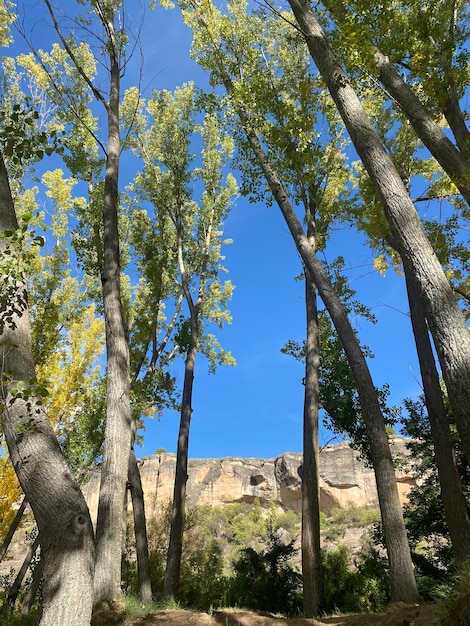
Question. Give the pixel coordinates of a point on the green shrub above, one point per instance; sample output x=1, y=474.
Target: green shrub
x=289, y=521
x=353, y=590
x=355, y=516
x=202, y=582
x=454, y=600
x=265, y=581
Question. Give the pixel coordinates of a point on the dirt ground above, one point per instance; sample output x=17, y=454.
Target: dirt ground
x=396, y=615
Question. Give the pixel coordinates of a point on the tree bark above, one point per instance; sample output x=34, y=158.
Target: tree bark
x=446, y=321
x=57, y=503
x=311, y=555
x=453, y=499
x=140, y=530
x=175, y=546
x=117, y=437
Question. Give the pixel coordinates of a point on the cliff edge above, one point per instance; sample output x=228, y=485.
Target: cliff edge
x=345, y=479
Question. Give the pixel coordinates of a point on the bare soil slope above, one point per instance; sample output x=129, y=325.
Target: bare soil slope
x=396, y=615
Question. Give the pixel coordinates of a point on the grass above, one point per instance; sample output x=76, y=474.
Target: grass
x=129, y=607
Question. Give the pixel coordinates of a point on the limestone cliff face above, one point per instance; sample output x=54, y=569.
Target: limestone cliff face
x=345, y=480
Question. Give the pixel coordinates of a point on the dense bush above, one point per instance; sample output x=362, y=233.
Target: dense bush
x=265, y=580
x=454, y=600
x=242, y=555
x=203, y=583
x=334, y=524
x=353, y=590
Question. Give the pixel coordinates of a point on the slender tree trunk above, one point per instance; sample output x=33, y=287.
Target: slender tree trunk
x=403, y=584
x=140, y=530
x=12, y=530
x=175, y=547
x=32, y=590
x=16, y=586
x=311, y=556
x=453, y=499
x=446, y=321
x=457, y=123
x=57, y=503
x=117, y=436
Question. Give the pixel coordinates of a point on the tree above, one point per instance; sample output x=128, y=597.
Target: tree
x=265, y=581
x=403, y=147
x=446, y=322
x=453, y=499
x=64, y=524
x=422, y=68
x=311, y=556
x=194, y=233
x=425, y=515
x=221, y=56
x=117, y=441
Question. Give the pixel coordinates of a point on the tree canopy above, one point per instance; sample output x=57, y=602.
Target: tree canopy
x=123, y=193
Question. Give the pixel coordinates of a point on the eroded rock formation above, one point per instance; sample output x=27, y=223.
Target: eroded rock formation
x=345, y=480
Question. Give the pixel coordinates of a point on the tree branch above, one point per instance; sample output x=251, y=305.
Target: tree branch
x=96, y=92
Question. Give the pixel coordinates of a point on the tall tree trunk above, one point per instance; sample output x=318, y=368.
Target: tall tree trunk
x=117, y=436
x=12, y=530
x=140, y=530
x=456, y=120
x=311, y=556
x=403, y=584
x=57, y=503
x=175, y=546
x=445, y=319
x=453, y=499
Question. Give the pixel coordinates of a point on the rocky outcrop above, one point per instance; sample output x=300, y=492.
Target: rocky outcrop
x=345, y=479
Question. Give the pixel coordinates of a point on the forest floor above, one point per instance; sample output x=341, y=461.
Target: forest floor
x=396, y=615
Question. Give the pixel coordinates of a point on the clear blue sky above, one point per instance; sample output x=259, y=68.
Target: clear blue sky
x=255, y=409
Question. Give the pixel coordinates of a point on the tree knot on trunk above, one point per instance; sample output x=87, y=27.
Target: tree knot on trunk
x=79, y=524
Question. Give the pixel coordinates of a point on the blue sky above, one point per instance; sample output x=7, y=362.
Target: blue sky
x=255, y=409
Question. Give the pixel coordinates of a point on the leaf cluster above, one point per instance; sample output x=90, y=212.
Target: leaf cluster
x=19, y=248
x=424, y=513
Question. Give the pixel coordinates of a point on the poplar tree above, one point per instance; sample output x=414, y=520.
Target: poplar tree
x=423, y=72
x=220, y=49
x=117, y=439
x=64, y=524
x=446, y=321
x=192, y=227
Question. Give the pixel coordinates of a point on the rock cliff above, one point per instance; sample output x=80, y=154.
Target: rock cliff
x=345, y=479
